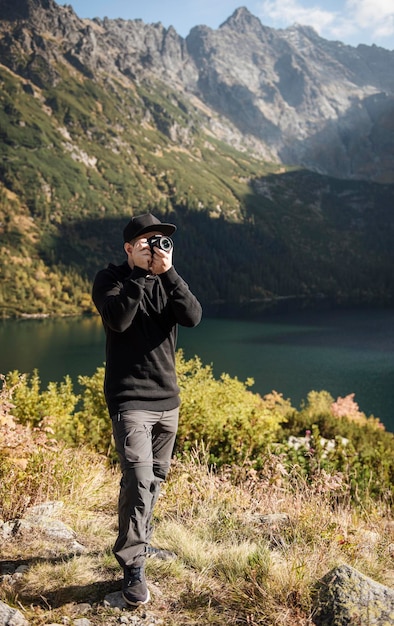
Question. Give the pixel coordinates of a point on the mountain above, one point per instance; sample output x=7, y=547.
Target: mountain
x=277, y=139
x=287, y=94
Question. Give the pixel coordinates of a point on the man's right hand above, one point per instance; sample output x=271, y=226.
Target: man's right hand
x=141, y=255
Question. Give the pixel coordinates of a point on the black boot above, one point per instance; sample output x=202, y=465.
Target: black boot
x=135, y=591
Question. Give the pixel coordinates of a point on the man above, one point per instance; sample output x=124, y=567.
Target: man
x=141, y=302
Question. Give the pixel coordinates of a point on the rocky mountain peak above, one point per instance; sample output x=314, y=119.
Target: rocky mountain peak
x=243, y=21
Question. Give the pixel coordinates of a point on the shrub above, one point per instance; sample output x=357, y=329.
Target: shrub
x=53, y=407
x=337, y=437
x=233, y=423
x=93, y=420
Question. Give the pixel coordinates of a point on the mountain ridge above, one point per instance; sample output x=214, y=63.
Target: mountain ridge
x=296, y=89
x=103, y=119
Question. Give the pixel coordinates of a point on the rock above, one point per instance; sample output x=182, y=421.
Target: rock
x=11, y=617
x=50, y=508
x=77, y=548
x=42, y=517
x=81, y=609
x=52, y=528
x=20, y=571
x=6, y=529
x=345, y=597
x=274, y=519
x=115, y=600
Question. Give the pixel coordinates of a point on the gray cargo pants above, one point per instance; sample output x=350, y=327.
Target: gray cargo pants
x=144, y=441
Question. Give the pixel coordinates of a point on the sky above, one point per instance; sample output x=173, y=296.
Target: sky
x=350, y=21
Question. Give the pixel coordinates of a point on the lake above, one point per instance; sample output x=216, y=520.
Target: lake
x=342, y=352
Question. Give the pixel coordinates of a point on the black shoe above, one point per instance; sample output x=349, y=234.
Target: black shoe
x=135, y=591
x=158, y=553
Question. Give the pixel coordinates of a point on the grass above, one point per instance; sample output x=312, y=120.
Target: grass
x=232, y=566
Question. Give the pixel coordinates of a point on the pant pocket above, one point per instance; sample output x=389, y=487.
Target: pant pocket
x=138, y=446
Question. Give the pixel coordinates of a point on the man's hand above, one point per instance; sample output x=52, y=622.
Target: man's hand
x=141, y=254
x=161, y=262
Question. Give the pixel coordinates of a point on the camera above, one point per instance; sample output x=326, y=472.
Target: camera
x=160, y=241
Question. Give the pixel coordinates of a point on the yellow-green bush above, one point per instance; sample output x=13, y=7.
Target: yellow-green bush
x=93, y=419
x=233, y=423
x=52, y=408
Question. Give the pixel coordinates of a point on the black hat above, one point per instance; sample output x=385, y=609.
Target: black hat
x=144, y=224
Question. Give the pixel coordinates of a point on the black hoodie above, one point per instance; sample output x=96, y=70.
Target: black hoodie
x=140, y=314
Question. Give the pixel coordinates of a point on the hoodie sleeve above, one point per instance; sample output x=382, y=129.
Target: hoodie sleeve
x=185, y=307
x=117, y=300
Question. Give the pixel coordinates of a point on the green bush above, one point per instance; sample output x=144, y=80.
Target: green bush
x=93, y=419
x=344, y=441
x=233, y=423
x=53, y=406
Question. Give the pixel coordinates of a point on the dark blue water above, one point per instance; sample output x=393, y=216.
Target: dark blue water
x=342, y=352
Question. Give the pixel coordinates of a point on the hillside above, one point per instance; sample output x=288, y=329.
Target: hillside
x=100, y=120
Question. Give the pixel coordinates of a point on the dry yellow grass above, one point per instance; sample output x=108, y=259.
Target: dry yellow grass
x=232, y=566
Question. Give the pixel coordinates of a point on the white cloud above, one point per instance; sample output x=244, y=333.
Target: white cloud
x=377, y=16
x=287, y=12
x=366, y=12
x=371, y=21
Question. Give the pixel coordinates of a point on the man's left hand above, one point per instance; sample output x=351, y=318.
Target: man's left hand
x=162, y=261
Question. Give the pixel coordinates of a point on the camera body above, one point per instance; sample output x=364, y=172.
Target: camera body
x=160, y=241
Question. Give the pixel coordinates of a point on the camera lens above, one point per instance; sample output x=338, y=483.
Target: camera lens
x=160, y=241
x=165, y=243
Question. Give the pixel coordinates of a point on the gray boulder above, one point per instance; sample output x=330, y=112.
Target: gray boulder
x=345, y=597
x=10, y=616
